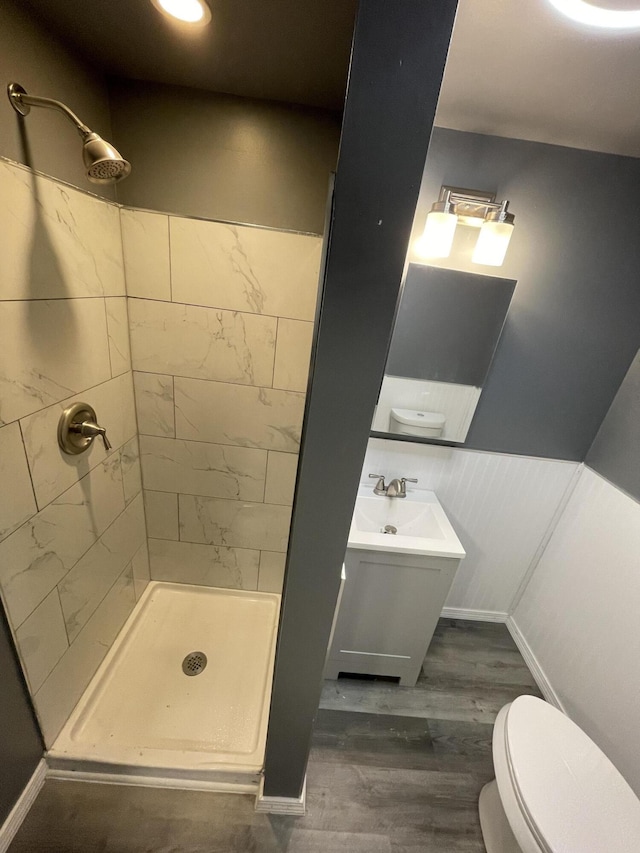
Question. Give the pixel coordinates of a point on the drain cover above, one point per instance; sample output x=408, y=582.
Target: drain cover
x=194, y=663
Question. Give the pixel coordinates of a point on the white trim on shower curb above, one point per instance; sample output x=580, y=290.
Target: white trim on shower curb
x=19, y=812
x=282, y=805
x=473, y=615
x=149, y=781
x=534, y=666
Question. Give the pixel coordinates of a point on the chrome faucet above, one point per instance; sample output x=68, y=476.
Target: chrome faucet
x=395, y=489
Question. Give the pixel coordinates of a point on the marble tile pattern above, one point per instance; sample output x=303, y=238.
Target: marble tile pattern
x=271, y=575
x=118, y=334
x=234, y=414
x=244, y=269
x=204, y=343
x=238, y=524
x=154, y=404
x=72, y=528
x=221, y=320
x=17, y=502
x=84, y=587
x=145, y=245
x=161, y=511
x=203, y=565
x=52, y=349
x=64, y=243
x=201, y=468
x=293, y=352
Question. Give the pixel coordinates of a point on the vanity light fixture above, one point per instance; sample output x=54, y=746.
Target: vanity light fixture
x=596, y=16
x=476, y=208
x=187, y=11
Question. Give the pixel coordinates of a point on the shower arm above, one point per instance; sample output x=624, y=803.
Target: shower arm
x=21, y=99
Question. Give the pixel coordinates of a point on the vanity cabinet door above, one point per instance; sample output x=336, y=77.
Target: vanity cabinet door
x=389, y=610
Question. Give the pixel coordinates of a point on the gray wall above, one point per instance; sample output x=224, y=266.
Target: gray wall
x=448, y=324
x=615, y=453
x=222, y=157
x=573, y=328
x=30, y=56
x=20, y=744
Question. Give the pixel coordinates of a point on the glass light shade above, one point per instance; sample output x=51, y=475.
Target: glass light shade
x=189, y=11
x=493, y=242
x=595, y=16
x=437, y=236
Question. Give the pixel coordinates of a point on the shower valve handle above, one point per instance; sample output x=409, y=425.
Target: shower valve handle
x=89, y=429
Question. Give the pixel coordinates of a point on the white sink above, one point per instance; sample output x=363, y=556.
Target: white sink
x=420, y=523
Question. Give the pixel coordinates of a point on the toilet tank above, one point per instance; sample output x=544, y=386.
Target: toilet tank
x=414, y=422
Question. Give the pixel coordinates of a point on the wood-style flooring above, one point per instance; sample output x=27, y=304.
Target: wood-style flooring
x=392, y=770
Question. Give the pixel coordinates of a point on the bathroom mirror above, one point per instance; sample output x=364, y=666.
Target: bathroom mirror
x=447, y=328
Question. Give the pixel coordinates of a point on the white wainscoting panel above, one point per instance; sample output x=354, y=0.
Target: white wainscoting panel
x=580, y=616
x=501, y=507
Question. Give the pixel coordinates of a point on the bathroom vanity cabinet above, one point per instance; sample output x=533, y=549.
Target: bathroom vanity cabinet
x=388, y=612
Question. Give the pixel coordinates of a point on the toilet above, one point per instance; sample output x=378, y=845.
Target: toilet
x=555, y=791
x=412, y=422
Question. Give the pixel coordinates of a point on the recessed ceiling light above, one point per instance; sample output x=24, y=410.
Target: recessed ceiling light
x=187, y=11
x=595, y=16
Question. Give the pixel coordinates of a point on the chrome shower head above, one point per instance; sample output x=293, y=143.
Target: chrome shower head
x=103, y=163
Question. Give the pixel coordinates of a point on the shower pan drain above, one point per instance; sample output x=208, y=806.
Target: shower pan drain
x=194, y=663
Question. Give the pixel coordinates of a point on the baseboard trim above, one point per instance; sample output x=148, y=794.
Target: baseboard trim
x=19, y=812
x=474, y=615
x=534, y=666
x=149, y=781
x=281, y=805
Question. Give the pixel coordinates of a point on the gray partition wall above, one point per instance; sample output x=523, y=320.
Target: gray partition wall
x=21, y=746
x=399, y=51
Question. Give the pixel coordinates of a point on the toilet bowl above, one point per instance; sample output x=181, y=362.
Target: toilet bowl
x=555, y=791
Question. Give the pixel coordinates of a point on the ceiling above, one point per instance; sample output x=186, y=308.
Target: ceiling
x=516, y=68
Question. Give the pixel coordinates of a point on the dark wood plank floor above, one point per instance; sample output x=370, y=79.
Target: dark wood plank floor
x=392, y=770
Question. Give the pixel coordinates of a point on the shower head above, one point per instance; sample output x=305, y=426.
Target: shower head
x=103, y=163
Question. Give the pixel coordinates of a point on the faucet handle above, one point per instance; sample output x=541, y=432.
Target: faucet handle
x=403, y=486
x=379, y=488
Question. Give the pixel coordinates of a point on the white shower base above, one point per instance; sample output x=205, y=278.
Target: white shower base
x=141, y=716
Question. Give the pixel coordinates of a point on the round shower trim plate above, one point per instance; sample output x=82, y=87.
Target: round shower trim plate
x=194, y=663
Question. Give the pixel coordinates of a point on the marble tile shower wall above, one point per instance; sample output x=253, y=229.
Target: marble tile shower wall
x=73, y=552
x=221, y=320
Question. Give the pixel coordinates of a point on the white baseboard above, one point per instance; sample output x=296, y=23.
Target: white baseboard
x=534, y=666
x=474, y=615
x=281, y=805
x=18, y=813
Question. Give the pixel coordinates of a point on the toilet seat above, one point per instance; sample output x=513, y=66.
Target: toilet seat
x=561, y=794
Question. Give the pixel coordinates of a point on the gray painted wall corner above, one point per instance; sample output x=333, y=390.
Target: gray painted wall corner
x=615, y=452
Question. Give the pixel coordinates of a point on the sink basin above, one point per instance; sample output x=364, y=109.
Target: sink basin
x=421, y=525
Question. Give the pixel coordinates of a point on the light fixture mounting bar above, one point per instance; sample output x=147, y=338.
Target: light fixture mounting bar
x=470, y=206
